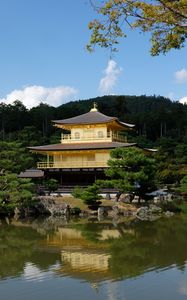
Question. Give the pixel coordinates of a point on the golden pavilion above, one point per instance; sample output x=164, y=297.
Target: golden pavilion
x=83, y=152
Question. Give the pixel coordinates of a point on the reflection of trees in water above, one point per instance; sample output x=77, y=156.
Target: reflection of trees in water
x=90, y=231
x=155, y=245
x=143, y=245
x=19, y=245
x=140, y=246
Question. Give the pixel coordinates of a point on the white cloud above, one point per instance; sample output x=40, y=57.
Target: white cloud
x=109, y=80
x=183, y=100
x=33, y=273
x=33, y=95
x=181, y=76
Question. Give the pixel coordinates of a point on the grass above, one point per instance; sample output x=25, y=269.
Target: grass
x=75, y=202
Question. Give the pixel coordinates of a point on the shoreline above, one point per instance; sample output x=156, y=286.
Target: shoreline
x=69, y=206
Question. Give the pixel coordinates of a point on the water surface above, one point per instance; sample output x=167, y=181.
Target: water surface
x=114, y=260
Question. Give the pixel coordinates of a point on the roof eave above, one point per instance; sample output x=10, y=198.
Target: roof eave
x=126, y=125
x=83, y=123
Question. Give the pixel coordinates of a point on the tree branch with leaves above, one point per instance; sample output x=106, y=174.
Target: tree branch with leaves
x=166, y=20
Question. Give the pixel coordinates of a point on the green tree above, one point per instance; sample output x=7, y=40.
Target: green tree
x=41, y=117
x=166, y=20
x=14, y=192
x=14, y=157
x=91, y=197
x=51, y=184
x=131, y=170
x=30, y=136
x=77, y=192
x=183, y=185
x=171, y=161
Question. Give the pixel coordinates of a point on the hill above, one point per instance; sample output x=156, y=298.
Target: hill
x=154, y=116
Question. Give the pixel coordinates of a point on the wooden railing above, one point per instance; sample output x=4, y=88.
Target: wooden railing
x=72, y=165
x=109, y=137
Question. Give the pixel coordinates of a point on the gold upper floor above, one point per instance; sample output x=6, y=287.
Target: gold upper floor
x=93, y=126
x=95, y=136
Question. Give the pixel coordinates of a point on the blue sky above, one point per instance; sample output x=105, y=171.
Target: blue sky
x=43, y=57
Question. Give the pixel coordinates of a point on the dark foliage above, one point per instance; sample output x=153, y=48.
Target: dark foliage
x=155, y=116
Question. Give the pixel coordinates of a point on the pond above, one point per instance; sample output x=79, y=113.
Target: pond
x=54, y=258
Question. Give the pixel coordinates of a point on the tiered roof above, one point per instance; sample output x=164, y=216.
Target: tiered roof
x=81, y=146
x=31, y=173
x=89, y=118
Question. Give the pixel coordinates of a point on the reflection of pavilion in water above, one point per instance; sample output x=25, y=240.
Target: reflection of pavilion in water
x=83, y=258
x=71, y=233
x=91, y=265
x=71, y=237
x=82, y=255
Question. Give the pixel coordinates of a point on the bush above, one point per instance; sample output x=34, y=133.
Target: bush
x=183, y=185
x=77, y=192
x=51, y=184
x=171, y=206
x=91, y=197
x=75, y=211
x=14, y=192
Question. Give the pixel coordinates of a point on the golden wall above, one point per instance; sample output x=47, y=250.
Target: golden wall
x=81, y=159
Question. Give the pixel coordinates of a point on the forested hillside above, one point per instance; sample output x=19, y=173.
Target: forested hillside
x=154, y=117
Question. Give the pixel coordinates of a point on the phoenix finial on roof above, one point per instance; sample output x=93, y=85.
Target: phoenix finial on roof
x=94, y=107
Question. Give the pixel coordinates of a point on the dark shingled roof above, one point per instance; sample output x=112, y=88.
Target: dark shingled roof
x=81, y=146
x=92, y=117
x=31, y=173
